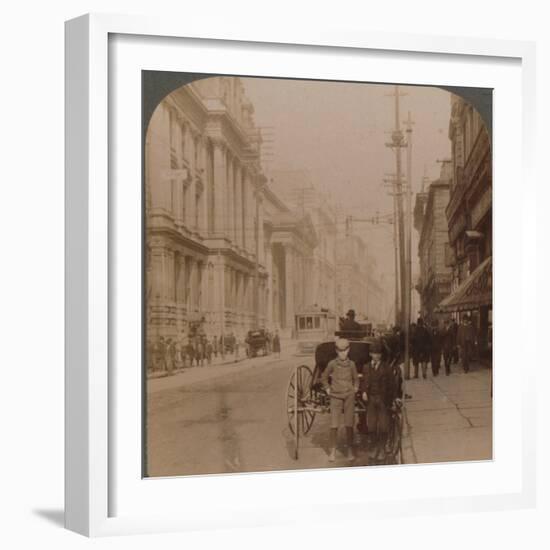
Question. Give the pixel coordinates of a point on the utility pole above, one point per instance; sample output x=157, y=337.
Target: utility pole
x=396, y=144
x=390, y=182
x=408, y=302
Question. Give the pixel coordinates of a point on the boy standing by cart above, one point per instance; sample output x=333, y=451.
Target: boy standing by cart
x=342, y=387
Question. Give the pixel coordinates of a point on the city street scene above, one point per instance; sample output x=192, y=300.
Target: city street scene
x=317, y=275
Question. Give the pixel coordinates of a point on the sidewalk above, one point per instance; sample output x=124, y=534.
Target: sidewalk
x=449, y=418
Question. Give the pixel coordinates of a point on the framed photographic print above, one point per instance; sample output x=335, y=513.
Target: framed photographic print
x=281, y=258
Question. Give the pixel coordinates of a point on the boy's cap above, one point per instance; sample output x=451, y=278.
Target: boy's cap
x=341, y=344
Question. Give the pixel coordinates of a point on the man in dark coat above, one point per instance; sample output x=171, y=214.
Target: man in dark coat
x=349, y=323
x=449, y=344
x=423, y=346
x=466, y=339
x=454, y=329
x=215, y=346
x=378, y=391
x=277, y=344
x=436, y=337
x=413, y=350
x=191, y=352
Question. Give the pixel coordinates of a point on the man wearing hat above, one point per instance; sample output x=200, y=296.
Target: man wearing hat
x=379, y=392
x=349, y=323
x=341, y=388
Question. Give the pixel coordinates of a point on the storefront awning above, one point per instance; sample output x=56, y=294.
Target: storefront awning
x=474, y=292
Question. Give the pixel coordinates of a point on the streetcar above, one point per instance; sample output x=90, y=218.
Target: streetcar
x=313, y=326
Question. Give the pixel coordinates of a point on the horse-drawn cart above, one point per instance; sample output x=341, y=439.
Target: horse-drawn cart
x=306, y=397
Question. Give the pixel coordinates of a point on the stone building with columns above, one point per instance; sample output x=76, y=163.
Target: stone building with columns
x=298, y=192
x=203, y=211
x=221, y=247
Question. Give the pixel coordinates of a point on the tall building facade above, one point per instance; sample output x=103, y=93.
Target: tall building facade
x=434, y=282
x=203, y=187
x=469, y=215
x=221, y=248
x=298, y=192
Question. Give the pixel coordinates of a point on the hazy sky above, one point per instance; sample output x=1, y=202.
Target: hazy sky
x=337, y=131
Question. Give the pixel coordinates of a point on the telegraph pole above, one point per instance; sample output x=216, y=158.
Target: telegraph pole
x=396, y=260
x=396, y=144
x=408, y=302
x=389, y=181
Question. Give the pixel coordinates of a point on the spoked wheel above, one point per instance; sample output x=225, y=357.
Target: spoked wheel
x=298, y=396
x=394, y=454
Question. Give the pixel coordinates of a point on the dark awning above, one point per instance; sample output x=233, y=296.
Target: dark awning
x=474, y=292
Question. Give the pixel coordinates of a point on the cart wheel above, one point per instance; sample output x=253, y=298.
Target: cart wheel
x=298, y=396
x=394, y=454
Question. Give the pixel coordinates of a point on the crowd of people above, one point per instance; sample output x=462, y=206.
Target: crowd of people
x=448, y=344
x=380, y=385
x=168, y=355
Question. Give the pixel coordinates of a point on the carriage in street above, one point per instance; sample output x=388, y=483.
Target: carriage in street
x=257, y=341
x=306, y=397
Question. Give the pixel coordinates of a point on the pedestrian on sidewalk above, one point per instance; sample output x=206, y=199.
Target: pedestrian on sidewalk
x=423, y=344
x=414, y=350
x=177, y=358
x=170, y=355
x=215, y=346
x=190, y=352
x=200, y=351
x=466, y=341
x=449, y=344
x=183, y=353
x=277, y=344
x=237, y=344
x=209, y=352
x=378, y=391
x=344, y=383
x=436, y=347
x=159, y=362
x=454, y=329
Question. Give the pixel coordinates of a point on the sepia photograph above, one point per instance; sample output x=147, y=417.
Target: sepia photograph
x=317, y=274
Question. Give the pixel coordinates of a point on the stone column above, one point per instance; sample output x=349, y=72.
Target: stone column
x=250, y=213
x=157, y=270
x=261, y=235
x=246, y=225
x=179, y=266
x=191, y=290
x=246, y=297
x=203, y=215
x=200, y=286
x=220, y=184
x=269, y=268
x=238, y=206
x=191, y=207
x=229, y=205
x=289, y=286
x=219, y=294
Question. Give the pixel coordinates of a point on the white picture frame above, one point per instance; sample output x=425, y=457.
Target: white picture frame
x=102, y=400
